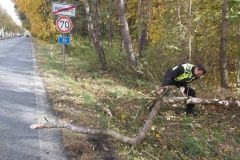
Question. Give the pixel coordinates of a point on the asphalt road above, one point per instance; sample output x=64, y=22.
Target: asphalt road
x=23, y=102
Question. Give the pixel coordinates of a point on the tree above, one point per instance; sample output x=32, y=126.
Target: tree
x=223, y=42
x=94, y=31
x=190, y=31
x=36, y=17
x=238, y=63
x=126, y=33
x=234, y=18
x=7, y=26
x=144, y=10
x=110, y=24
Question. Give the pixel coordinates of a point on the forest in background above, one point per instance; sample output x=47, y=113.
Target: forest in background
x=8, y=28
x=159, y=31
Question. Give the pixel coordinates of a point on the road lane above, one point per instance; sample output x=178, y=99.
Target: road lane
x=23, y=101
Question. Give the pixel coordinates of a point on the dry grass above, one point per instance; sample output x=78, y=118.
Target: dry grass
x=79, y=97
x=82, y=97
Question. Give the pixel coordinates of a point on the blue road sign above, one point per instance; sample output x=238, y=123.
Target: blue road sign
x=63, y=40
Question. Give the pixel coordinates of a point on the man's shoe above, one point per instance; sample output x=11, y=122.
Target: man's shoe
x=193, y=113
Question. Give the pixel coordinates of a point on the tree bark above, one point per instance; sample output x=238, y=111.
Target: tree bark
x=144, y=9
x=148, y=123
x=182, y=28
x=238, y=59
x=110, y=25
x=94, y=32
x=238, y=73
x=223, y=42
x=96, y=18
x=190, y=32
x=126, y=33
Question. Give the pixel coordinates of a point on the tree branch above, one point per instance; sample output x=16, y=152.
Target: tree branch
x=83, y=130
x=148, y=123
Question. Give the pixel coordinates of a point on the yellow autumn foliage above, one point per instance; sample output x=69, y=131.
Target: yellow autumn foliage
x=38, y=13
x=156, y=28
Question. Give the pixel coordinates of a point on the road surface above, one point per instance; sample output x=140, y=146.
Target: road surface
x=23, y=101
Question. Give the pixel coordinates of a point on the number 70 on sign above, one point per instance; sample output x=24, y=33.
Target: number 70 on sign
x=64, y=24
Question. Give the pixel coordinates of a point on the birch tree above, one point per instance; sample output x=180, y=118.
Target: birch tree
x=94, y=31
x=126, y=33
x=110, y=24
x=238, y=63
x=144, y=13
x=190, y=31
x=223, y=42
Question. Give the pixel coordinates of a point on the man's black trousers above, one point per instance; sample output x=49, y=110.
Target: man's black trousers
x=189, y=92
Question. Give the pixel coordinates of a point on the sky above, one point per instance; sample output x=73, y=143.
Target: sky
x=8, y=5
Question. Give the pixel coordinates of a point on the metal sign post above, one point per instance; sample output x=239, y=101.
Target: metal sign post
x=63, y=54
x=64, y=25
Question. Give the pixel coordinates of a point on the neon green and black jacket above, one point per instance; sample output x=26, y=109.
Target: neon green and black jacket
x=180, y=75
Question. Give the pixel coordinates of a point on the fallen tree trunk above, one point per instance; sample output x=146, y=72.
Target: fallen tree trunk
x=192, y=100
x=82, y=130
x=148, y=123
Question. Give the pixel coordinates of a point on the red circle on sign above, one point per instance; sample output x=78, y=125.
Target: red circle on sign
x=64, y=24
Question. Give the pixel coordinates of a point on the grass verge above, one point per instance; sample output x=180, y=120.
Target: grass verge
x=81, y=94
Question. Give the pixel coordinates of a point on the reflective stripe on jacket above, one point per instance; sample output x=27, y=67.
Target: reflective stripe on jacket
x=188, y=75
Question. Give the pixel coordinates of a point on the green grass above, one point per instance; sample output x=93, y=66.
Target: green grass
x=89, y=98
x=192, y=146
x=86, y=89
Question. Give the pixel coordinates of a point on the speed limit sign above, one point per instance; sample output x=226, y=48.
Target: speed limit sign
x=64, y=24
